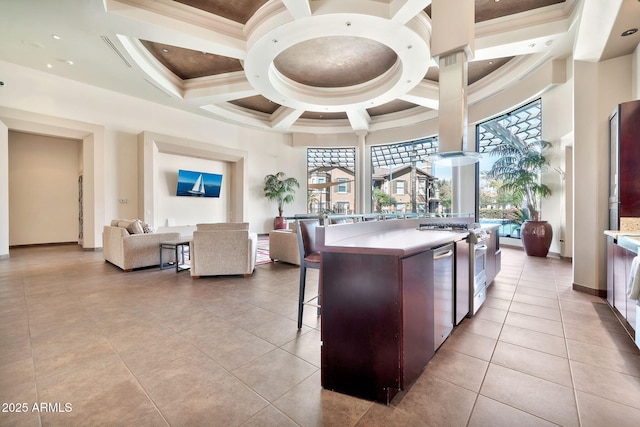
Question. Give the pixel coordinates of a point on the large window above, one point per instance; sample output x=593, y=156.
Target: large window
x=330, y=179
x=497, y=206
x=403, y=180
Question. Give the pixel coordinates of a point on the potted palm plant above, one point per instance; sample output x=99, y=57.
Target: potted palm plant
x=518, y=168
x=279, y=188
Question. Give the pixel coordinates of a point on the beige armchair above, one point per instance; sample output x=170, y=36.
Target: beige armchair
x=223, y=249
x=283, y=245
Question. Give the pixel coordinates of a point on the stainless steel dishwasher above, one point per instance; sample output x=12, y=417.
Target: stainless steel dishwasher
x=442, y=293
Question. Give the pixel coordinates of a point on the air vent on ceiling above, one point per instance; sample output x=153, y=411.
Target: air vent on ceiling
x=115, y=49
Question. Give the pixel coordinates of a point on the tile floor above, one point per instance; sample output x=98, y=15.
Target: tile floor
x=155, y=348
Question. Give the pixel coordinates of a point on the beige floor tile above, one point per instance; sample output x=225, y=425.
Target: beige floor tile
x=123, y=403
x=457, y=368
x=275, y=373
x=142, y=360
x=308, y=404
x=478, y=326
x=470, y=344
x=592, y=309
x=537, y=324
x=597, y=412
x=539, y=341
x=607, y=384
x=279, y=331
x=538, y=364
x=535, y=300
x=601, y=334
x=269, y=417
x=306, y=346
x=437, y=402
x=536, y=310
x=619, y=361
x=226, y=401
x=577, y=318
x=493, y=314
x=17, y=373
x=177, y=341
x=536, y=292
x=499, y=294
x=497, y=303
x=234, y=347
x=544, y=399
x=489, y=412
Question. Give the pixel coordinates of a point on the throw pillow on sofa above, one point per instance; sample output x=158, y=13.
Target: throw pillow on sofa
x=135, y=227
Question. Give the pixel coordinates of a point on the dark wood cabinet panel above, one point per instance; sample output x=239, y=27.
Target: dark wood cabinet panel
x=624, y=188
x=377, y=322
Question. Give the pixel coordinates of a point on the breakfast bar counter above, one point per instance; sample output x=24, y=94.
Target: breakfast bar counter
x=377, y=290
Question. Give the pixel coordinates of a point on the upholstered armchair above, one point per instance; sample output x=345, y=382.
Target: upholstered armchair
x=223, y=249
x=283, y=245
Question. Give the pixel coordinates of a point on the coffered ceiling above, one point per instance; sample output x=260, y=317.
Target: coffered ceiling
x=296, y=65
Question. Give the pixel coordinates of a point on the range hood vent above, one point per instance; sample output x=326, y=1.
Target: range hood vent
x=452, y=115
x=452, y=46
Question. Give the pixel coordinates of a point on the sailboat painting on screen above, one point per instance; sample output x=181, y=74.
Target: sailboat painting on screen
x=198, y=184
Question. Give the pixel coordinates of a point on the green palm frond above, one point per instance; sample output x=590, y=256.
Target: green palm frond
x=518, y=167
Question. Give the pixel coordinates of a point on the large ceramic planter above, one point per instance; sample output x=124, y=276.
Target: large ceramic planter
x=279, y=223
x=536, y=237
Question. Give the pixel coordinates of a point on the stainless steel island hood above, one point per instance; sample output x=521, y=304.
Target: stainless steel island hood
x=452, y=46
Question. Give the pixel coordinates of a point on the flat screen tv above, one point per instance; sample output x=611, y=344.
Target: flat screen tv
x=198, y=184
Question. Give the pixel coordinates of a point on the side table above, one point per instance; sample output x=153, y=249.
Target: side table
x=181, y=255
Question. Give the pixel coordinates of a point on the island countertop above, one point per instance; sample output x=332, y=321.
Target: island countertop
x=401, y=242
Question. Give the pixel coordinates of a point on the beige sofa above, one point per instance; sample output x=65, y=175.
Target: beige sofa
x=223, y=249
x=129, y=250
x=283, y=245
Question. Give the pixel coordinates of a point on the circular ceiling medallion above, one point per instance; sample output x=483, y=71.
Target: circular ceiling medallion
x=324, y=62
x=335, y=61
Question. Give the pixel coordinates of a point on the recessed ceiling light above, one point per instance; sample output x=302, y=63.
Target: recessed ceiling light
x=165, y=50
x=629, y=32
x=548, y=43
x=49, y=66
x=69, y=61
x=532, y=45
x=55, y=36
x=490, y=62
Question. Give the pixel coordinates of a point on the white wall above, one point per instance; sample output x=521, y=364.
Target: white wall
x=599, y=87
x=188, y=210
x=43, y=189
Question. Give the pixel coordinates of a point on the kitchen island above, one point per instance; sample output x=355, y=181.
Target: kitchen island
x=378, y=292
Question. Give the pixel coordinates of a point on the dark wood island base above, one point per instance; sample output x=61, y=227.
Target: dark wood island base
x=377, y=319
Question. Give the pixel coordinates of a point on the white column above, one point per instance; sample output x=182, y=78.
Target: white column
x=363, y=172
